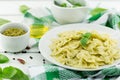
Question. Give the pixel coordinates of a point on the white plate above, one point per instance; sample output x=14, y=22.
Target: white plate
x=45, y=41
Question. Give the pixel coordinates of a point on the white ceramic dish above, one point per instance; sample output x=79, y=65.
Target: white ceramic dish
x=65, y=15
x=14, y=44
x=45, y=41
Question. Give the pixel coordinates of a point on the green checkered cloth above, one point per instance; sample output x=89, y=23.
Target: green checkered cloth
x=53, y=72
x=108, y=18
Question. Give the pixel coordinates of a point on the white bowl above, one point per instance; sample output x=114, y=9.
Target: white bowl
x=45, y=41
x=14, y=44
x=64, y=15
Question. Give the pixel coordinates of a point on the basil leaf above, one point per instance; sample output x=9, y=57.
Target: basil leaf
x=3, y=21
x=9, y=72
x=84, y=41
x=75, y=3
x=119, y=25
x=87, y=35
x=97, y=11
x=85, y=38
x=58, y=2
x=95, y=17
x=23, y=8
x=0, y=73
x=63, y=5
x=12, y=73
x=20, y=75
x=3, y=58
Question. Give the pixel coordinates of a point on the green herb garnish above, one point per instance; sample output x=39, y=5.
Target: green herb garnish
x=23, y=9
x=9, y=72
x=85, y=38
x=3, y=58
x=74, y=6
x=60, y=3
x=119, y=25
x=12, y=73
x=20, y=75
x=87, y=35
x=0, y=73
x=68, y=3
x=76, y=3
x=63, y=5
x=3, y=21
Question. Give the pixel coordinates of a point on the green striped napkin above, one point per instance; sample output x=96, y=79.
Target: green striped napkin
x=53, y=72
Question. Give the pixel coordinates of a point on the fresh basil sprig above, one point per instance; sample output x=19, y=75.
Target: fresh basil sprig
x=85, y=38
x=3, y=58
x=11, y=73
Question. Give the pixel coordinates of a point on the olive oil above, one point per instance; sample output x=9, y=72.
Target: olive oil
x=37, y=31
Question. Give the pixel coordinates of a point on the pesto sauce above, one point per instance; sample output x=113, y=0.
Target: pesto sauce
x=13, y=32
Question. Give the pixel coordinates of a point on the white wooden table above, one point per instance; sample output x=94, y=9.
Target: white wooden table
x=9, y=9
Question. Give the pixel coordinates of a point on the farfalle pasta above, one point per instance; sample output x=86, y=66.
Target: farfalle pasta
x=100, y=50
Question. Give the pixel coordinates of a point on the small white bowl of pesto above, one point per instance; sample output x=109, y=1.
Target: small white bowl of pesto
x=69, y=11
x=14, y=37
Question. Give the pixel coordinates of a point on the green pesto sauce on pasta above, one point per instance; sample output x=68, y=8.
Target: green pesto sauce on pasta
x=100, y=50
x=13, y=32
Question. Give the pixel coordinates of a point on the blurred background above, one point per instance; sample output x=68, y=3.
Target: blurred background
x=10, y=8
